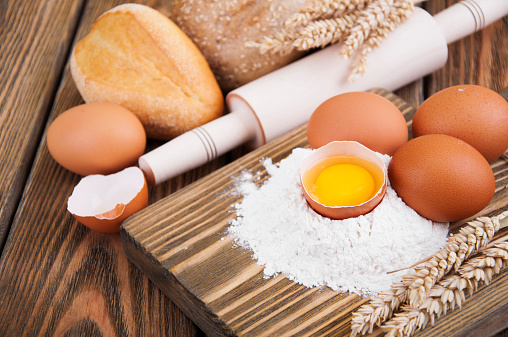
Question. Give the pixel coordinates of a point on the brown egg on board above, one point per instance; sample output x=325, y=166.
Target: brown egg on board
x=364, y=117
x=441, y=177
x=475, y=114
x=96, y=138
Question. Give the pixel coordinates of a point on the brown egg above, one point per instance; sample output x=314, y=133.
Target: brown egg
x=442, y=177
x=475, y=114
x=363, y=117
x=96, y=138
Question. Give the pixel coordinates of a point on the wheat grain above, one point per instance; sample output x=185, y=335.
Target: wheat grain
x=415, y=288
x=368, y=20
x=399, y=11
x=450, y=294
x=475, y=235
x=323, y=32
x=360, y=24
x=324, y=9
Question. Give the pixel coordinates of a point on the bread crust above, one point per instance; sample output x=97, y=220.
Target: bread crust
x=136, y=57
x=222, y=30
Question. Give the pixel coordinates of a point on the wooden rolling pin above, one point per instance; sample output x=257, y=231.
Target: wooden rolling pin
x=274, y=104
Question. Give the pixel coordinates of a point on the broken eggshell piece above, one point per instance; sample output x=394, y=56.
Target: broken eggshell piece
x=103, y=202
x=339, y=149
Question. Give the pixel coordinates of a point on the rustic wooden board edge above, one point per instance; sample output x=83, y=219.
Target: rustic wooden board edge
x=176, y=292
x=142, y=258
x=207, y=320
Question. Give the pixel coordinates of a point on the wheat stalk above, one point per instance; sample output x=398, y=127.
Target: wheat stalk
x=360, y=24
x=324, y=9
x=414, y=289
x=450, y=293
x=323, y=32
x=281, y=42
x=368, y=20
x=399, y=12
x=470, y=239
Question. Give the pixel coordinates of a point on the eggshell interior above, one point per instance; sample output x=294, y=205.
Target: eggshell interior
x=102, y=202
x=341, y=148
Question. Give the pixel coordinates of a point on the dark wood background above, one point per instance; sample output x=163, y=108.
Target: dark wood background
x=57, y=278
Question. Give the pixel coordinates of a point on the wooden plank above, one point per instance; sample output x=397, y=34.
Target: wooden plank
x=182, y=243
x=479, y=58
x=36, y=38
x=57, y=277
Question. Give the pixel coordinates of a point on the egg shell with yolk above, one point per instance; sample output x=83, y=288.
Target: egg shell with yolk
x=343, y=184
x=344, y=148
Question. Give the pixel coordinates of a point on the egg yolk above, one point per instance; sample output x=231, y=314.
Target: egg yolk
x=344, y=185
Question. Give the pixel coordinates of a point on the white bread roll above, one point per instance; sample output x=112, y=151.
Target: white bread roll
x=138, y=58
x=221, y=29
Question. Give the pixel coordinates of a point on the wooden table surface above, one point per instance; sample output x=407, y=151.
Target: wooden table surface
x=59, y=278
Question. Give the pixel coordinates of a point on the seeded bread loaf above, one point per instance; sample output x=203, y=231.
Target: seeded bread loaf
x=221, y=30
x=138, y=58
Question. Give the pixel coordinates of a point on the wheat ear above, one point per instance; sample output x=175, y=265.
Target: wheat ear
x=399, y=12
x=469, y=240
x=281, y=42
x=450, y=293
x=356, y=22
x=323, y=32
x=471, y=237
x=324, y=9
x=369, y=19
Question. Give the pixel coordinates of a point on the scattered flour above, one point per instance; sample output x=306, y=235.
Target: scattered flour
x=288, y=237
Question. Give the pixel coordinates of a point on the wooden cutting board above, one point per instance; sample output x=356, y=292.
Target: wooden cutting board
x=182, y=244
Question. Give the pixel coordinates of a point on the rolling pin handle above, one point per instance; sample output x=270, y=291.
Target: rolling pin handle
x=469, y=16
x=198, y=146
x=278, y=102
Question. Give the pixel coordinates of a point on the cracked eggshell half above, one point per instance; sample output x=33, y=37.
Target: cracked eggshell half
x=103, y=202
x=326, y=154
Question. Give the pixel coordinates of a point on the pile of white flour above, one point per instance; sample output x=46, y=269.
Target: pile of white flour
x=287, y=236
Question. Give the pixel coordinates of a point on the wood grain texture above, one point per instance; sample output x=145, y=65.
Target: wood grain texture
x=481, y=58
x=57, y=278
x=32, y=60
x=182, y=243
